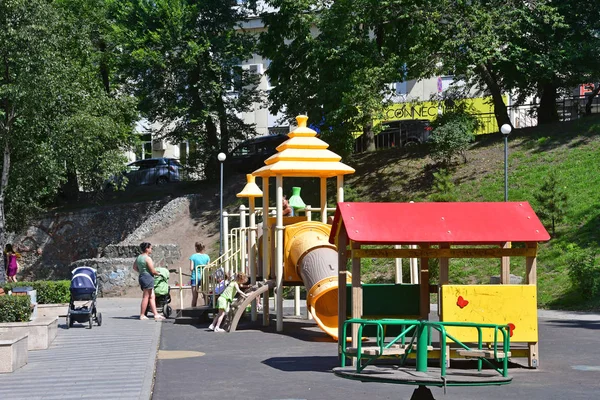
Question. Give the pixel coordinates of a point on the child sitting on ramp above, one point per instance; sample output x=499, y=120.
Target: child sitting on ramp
x=225, y=300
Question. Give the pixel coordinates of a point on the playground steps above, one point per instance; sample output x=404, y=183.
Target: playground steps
x=481, y=353
x=194, y=315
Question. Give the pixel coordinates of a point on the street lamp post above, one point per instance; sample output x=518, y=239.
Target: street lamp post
x=221, y=157
x=505, y=129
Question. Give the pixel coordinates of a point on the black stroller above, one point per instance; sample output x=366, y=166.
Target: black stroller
x=83, y=288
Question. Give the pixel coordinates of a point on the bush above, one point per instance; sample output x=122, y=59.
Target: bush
x=48, y=292
x=452, y=134
x=443, y=187
x=583, y=270
x=15, y=308
x=552, y=200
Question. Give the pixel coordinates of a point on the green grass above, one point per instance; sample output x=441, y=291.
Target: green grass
x=572, y=149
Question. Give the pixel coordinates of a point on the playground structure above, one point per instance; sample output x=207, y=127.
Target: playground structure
x=475, y=321
x=295, y=251
x=489, y=323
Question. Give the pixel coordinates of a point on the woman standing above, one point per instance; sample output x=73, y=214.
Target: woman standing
x=144, y=265
x=10, y=263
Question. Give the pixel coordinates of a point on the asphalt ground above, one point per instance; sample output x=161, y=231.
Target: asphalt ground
x=256, y=362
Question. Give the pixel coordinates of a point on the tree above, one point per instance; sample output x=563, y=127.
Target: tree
x=552, y=201
x=53, y=111
x=339, y=76
x=182, y=59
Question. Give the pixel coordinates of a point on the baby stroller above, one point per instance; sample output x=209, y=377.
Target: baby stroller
x=83, y=288
x=162, y=292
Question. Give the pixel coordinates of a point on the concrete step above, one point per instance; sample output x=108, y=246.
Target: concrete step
x=194, y=315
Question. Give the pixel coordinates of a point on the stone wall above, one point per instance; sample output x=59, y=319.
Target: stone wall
x=115, y=272
x=51, y=244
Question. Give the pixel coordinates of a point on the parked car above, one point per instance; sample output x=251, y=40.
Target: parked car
x=151, y=171
x=251, y=154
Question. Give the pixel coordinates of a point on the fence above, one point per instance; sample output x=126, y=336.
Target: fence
x=521, y=116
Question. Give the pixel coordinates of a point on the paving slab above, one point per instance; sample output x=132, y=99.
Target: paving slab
x=113, y=361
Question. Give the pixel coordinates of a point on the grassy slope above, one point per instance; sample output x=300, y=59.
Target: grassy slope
x=572, y=148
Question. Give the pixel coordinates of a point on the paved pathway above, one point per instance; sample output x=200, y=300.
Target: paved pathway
x=114, y=361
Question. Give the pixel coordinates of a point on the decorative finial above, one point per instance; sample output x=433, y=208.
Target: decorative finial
x=301, y=120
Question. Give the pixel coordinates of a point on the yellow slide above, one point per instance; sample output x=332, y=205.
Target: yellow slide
x=309, y=255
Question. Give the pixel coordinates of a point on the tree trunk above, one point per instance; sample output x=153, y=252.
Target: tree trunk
x=3, y=185
x=547, y=112
x=223, y=125
x=104, y=67
x=590, y=99
x=70, y=189
x=500, y=110
x=368, y=136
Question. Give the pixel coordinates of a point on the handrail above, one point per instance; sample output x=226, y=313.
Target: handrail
x=419, y=326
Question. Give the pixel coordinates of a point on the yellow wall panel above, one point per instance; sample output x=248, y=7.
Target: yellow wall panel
x=491, y=304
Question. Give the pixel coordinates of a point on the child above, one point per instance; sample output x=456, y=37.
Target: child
x=197, y=261
x=225, y=300
x=10, y=262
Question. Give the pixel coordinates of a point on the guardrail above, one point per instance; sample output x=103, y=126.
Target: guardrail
x=421, y=334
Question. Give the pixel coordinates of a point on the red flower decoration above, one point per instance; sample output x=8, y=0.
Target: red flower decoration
x=511, y=328
x=462, y=303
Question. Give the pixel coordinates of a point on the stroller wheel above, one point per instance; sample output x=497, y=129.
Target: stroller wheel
x=167, y=310
x=69, y=323
x=90, y=321
x=99, y=319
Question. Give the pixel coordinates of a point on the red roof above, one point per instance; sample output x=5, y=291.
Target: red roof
x=459, y=223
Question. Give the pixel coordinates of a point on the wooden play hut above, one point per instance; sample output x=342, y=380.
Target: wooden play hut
x=446, y=231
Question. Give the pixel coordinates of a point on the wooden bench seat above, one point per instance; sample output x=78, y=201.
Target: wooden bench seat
x=393, y=350
x=480, y=353
x=414, y=347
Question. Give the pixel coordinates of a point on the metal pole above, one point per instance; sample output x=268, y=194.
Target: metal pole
x=221, y=214
x=505, y=167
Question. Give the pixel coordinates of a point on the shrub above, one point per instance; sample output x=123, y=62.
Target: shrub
x=443, y=187
x=452, y=134
x=48, y=292
x=552, y=200
x=583, y=270
x=15, y=308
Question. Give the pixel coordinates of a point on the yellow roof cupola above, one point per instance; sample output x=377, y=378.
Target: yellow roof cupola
x=303, y=155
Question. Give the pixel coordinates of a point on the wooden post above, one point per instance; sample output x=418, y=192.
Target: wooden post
x=279, y=251
x=398, y=267
x=357, y=298
x=443, y=280
x=531, y=279
x=252, y=253
x=505, y=272
x=424, y=285
x=324, y=200
x=266, y=261
x=340, y=188
x=342, y=244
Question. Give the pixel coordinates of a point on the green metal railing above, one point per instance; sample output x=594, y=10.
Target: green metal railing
x=421, y=333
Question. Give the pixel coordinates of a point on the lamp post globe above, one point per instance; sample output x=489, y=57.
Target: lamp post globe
x=505, y=129
x=221, y=157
